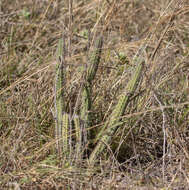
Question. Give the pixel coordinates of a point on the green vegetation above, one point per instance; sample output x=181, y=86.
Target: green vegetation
x=94, y=94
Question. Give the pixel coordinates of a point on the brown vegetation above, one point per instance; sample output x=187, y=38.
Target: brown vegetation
x=150, y=148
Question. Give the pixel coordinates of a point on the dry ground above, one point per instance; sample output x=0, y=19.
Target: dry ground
x=151, y=150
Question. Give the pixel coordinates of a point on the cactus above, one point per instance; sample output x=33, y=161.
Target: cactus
x=59, y=97
x=82, y=121
x=64, y=126
x=105, y=135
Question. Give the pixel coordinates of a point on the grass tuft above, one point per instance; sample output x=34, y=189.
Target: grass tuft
x=94, y=94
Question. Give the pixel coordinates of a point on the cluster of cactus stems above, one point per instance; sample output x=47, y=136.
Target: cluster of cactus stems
x=76, y=125
x=67, y=124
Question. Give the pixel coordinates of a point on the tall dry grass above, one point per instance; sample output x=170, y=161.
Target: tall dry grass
x=149, y=147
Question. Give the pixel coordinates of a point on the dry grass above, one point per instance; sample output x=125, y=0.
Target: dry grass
x=150, y=148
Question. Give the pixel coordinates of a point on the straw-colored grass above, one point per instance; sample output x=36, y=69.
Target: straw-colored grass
x=76, y=113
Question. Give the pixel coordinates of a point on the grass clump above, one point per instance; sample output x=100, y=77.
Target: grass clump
x=94, y=94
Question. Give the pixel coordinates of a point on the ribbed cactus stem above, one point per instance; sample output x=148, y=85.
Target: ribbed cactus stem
x=111, y=126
